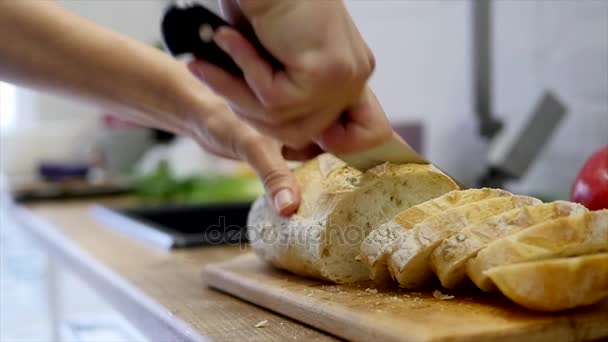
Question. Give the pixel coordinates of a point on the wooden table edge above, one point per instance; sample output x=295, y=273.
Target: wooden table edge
x=138, y=309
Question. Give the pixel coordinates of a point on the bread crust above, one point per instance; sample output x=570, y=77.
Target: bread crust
x=409, y=263
x=449, y=258
x=555, y=284
x=378, y=245
x=567, y=236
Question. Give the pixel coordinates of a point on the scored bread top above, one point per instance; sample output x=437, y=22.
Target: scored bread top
x=450, y=257
x=567, y=236
x=322, y=178
x=379, y=243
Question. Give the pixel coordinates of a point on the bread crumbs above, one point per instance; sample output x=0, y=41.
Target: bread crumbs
x=262, y=324
x=437, y=294
x=371, y=290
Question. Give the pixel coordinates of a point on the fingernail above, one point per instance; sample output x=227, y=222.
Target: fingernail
x=221, y=43
x=283, y=199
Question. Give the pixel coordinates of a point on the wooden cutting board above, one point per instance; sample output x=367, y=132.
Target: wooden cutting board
x=363, y=313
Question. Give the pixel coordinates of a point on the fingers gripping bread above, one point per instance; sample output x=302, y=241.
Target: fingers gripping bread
x=555, y=284
x=376, y=247
x=561, y=237
x=449, y=258
x=339, y=207
x=409, y=263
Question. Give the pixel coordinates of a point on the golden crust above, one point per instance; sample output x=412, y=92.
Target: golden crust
x=377, y=247
x=412, y=216
x=566, y=236
x=555, y=284
x=450, y=257
x=410, y=260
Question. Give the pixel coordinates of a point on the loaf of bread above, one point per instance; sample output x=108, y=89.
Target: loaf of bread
x=409, y=263
x=377, y=247
x=561, y=237
x=547, y=257
x=554, y=284
x=340, y=206
x=449, y=258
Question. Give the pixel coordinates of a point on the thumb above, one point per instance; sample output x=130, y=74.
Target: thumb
x=264, y=155
x=367, y=126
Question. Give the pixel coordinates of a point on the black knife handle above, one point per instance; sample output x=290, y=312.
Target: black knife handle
x=190, y=29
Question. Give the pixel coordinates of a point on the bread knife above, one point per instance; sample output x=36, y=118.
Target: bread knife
x=189, y=29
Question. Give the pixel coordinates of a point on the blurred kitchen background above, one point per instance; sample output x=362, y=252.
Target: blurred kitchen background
x=536, y=71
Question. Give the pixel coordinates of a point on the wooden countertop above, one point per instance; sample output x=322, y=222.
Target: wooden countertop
x=162, y=293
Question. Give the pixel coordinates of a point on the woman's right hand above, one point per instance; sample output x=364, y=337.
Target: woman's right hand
x=326, y=67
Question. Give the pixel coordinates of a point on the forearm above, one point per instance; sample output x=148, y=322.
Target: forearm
x=49, y=48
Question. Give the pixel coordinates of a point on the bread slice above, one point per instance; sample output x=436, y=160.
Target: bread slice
x=449, y=258
x=555, y=284
x=378, y=245
x=409, y=263
x=340, y=206
x=561, y=237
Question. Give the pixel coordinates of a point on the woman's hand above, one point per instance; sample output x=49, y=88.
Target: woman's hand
x=218, y=130
x=47, y=47
x=327, y=65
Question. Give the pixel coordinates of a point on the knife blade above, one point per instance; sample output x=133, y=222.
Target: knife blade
x=189, y=29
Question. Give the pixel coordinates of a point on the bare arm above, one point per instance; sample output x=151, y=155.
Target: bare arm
x=49, y=48
x=46, y=47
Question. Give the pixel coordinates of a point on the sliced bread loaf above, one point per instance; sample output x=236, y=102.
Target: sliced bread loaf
x=409, y=263
x=554, y=284
x=567, y=236
x=339, y=207
x=378, y=245
x=449, y=258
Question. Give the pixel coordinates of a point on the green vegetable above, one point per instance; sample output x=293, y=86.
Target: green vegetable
x=161, y=186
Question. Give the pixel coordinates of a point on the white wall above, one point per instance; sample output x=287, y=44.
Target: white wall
x=559, y=45
x=423, y=57
x=423, y=51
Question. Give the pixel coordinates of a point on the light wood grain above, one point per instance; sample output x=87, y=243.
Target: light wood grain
x=358, y=312
x=163, y=293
